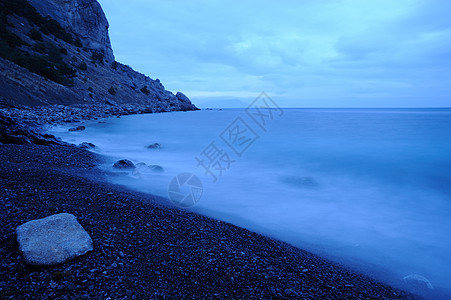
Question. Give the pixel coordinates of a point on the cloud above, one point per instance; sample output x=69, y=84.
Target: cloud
x=304, y=52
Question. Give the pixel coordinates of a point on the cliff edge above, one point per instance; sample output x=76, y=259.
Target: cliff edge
x=84, y=18
x=59, y=52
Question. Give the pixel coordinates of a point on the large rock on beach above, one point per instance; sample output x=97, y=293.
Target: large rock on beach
x=53, y=240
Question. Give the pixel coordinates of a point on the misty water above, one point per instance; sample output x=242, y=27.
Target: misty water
x=369, y=188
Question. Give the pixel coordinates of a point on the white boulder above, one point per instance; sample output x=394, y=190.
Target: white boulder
x=53, y=240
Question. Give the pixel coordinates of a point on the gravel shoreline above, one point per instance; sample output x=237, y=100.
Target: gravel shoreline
x=38, y=116
x=144, y=247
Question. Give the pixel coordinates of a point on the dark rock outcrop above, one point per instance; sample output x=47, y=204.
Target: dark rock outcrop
x=84, y=18
x=182, y=97
x=68, y=60
x=124, y=164
x=13, y=132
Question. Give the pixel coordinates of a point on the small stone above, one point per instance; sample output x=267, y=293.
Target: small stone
x=305, y=270
x=87, y=146
x=78, y=128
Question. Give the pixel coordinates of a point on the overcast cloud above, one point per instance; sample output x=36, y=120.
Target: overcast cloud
x=305, y=53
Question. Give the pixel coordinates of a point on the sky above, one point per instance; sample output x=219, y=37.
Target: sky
x=303, y=53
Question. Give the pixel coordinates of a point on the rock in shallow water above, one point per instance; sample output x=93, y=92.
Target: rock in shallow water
x=156, y=168
x=124, y=164
x=78, y=128
x=53, y=240
x=154, y=146
x=86, y=145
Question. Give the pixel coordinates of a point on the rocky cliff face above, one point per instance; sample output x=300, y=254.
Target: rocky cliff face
x=59, y=52
x=84, y=18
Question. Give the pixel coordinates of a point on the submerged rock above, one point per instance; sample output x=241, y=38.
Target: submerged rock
x=156, y=168
x=78, y=128
x=154, y=146
x=124, y=164
x=300, y=181
x=53, y=240
x=142, y=168
x=86, y=145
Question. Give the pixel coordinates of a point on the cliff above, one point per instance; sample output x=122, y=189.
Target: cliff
x=59, y=52
x=84, y=18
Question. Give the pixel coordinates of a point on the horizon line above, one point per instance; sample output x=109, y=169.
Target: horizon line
x=416, y=107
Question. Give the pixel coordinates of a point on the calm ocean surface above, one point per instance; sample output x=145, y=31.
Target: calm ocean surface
x=370, y=188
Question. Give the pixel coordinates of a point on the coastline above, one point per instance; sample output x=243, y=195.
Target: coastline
x=38, y=116
x=160, y=252
x=331, y=203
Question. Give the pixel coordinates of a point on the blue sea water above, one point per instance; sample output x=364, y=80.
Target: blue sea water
x=369, y=188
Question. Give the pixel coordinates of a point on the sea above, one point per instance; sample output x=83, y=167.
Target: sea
x=367, y=188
